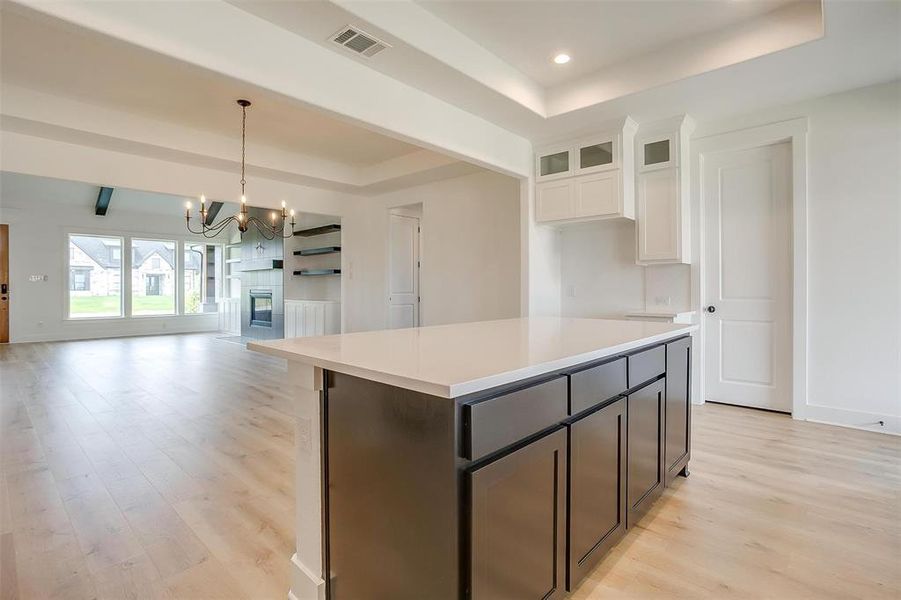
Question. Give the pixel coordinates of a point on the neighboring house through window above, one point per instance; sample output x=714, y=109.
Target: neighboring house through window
x=80, y=279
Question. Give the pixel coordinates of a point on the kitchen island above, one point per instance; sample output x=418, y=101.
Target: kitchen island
x=498, y=459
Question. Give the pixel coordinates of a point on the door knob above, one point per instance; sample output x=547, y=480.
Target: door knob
x=711, y=309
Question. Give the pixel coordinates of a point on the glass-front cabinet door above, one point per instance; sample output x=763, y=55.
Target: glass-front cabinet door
x=554, y=163
x=596, y=154
x=656, y=153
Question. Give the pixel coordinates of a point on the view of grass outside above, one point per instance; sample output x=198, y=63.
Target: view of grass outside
x=100, y=306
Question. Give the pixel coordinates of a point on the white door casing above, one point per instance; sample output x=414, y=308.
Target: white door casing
x=403, y=272
x=748, y=254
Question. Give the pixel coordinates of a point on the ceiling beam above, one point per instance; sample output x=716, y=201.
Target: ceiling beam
x=330, y=81
x=103, y=200
x=215, y=207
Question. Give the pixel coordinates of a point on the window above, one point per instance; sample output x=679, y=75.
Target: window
x=94, y=277
x=97, y=284
x=152, y=277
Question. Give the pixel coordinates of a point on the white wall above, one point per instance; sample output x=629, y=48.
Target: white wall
x=40, y=213
x=599, y=277
x=854, y=251
x=470, y=252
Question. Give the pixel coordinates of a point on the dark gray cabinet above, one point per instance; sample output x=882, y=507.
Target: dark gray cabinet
x=677, y=443
x=645, y=448
x=517, y=522
x=597, y=487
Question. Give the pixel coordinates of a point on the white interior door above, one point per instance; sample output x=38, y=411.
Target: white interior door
x=403, y=272
x=748, y=227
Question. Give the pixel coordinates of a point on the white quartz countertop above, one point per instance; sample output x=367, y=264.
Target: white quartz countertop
x=454, y=360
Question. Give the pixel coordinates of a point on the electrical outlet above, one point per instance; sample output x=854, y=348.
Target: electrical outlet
x=571, y=291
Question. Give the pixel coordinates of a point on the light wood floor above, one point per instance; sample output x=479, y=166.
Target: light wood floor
x=162, y=467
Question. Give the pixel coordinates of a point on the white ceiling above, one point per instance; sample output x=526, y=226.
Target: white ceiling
x=649, y=59
x=595, y=34
x=51, y=57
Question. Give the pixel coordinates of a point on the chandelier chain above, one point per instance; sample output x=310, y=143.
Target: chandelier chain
x=243, y=144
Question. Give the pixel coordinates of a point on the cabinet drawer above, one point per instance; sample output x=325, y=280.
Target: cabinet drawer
x=592, y=386
x=646, y=365
x=495, y=423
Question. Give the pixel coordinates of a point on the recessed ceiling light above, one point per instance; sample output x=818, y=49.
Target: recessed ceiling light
x=561, y=59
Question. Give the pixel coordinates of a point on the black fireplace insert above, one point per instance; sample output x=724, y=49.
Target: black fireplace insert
x=260, y=308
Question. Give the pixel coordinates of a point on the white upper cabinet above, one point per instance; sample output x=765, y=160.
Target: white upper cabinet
x=590, y=178
x=663, y=218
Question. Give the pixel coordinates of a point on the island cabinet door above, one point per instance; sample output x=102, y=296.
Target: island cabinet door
x=677, y=444
x=597, y=487
x=645, y=414
x=518, y=523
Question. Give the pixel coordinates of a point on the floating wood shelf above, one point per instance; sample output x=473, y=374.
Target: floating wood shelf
x=232, y=260
x=317, y=251
x=312, y=272
x=318, y=230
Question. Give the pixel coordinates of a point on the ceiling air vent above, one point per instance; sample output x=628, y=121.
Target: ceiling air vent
x=358, y=41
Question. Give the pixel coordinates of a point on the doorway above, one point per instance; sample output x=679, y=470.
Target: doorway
x=747, y=291
x=404, y=231
x=4, y=284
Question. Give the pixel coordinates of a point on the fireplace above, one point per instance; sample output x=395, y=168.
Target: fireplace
x=261, y=308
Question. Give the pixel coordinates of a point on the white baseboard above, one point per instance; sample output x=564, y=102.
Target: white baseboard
x=854, y=419
x=305, y=585
x=99, y=329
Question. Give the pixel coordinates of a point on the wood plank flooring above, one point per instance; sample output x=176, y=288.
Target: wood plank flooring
x=162, y=467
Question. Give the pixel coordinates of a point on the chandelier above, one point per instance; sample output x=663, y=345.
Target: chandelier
x=271, y=230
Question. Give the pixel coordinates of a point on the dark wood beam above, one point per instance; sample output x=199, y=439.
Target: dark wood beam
x=103, y=200
x=212, y=212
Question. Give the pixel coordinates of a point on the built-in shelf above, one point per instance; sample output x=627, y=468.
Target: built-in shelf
x=236, y=245
x=322, y=230
x=312, y=272
x=233, y=277
x=232, y=260
x=317, y=251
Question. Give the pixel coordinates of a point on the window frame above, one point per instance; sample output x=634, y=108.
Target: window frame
x=67, y=291
x=125, y=272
